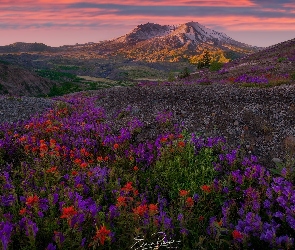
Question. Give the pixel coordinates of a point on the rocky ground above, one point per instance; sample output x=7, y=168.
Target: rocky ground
x=262, y=121
x=14, y=109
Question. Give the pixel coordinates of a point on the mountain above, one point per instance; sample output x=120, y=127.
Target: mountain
x=18, y=81
x=154, y=42
x=26, y=47
x=150, y=42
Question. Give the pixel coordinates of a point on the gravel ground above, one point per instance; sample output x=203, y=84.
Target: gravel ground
x=262, y=121
x=14, y=109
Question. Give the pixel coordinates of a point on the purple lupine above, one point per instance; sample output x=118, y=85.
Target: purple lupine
x=6, y=229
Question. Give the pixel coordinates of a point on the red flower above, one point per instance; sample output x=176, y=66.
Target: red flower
x=153, y=209
x=78, y=161
x=135, y=168
x=51, y=170
x=68, y=212
x=189, y=202
x=102, y=234
x=237, y=235
x=84, y=165
x=201, y=218
x=206, y=188
x=22, y=211
x=121, y=201
x=140, y=210
x=163, y=139
x=181, y=144
x=183, y=192
x=74, y=172
x=128, y=187
x=116, y=146
x=32, y=200
x=99, y=158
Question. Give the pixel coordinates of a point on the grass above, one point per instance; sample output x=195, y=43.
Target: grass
x=69, y=181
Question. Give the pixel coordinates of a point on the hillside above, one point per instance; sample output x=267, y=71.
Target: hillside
x=18, y=81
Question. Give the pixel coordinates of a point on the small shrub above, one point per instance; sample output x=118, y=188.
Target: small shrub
x=215, y=66
x=184, y=73
x=281, y=59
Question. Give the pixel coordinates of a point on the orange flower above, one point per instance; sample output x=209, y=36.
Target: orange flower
x=140, y=210
x=135, y=168
x=102, y=234
x=183, y=192
x=128, y=187
x=68, y=212
x=121, y=201
x=237, y=235
x=153, y=209
x=32, y=200
x=189, y=202
x=22, y=211
x=116, y=146
x=206, y=188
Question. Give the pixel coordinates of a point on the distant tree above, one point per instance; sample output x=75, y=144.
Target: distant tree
x=184, y=73
x=171, y=77
x=206, y=59
x=215, y=66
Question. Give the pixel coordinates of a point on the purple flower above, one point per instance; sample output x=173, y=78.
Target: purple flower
x=58, y=237
x=113, y=212
x=6, y=229
x=180, y=217
x=30, y=227
x=51, y=247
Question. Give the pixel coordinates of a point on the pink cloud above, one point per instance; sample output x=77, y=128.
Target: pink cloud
x=227, y=3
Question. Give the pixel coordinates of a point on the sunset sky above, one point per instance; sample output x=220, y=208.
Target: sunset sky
x=60, y=22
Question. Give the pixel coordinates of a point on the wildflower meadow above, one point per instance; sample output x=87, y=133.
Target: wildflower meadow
x=68, y=180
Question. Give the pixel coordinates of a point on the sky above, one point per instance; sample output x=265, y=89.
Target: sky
x=65, y=22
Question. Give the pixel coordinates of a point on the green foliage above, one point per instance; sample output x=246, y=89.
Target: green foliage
x=57, y=76
x=181, y=169
x=5, y=62
x=68, y=67
x=65, y=88
x=215, y=66
x=293, y=76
